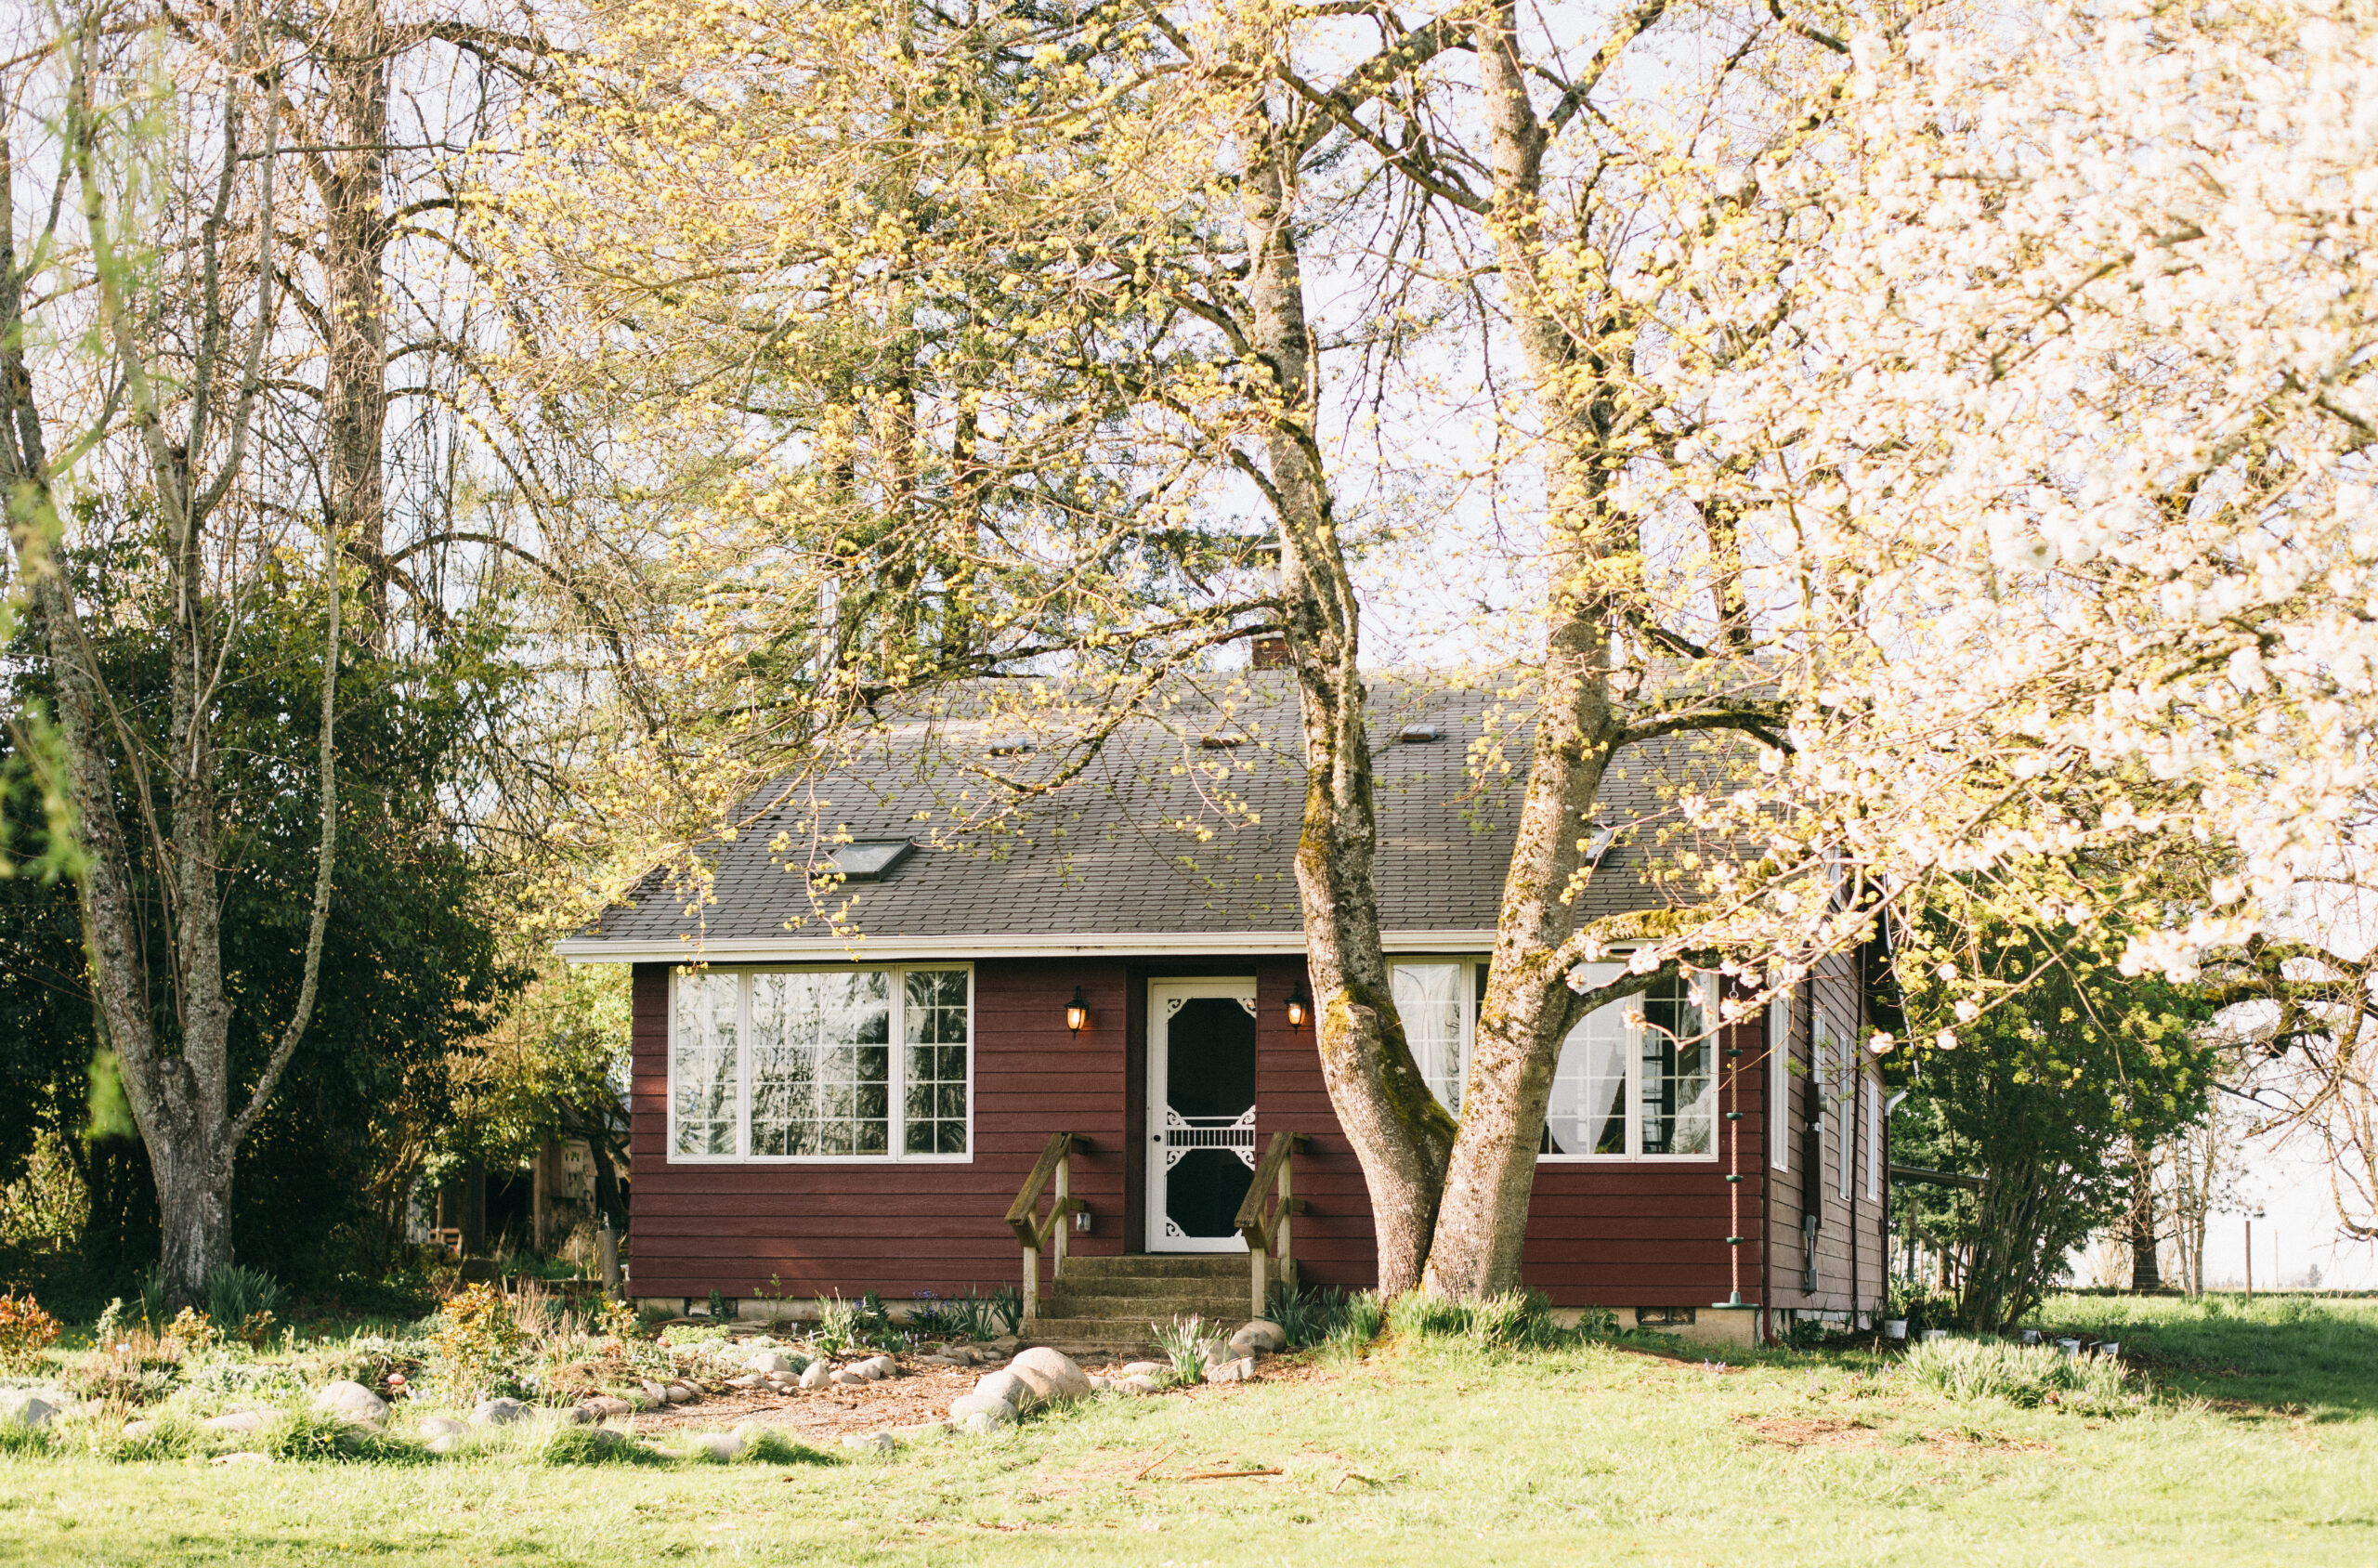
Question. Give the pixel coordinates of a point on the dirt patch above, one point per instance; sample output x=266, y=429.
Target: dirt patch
x=1808, y=1432
x=1949, y=1444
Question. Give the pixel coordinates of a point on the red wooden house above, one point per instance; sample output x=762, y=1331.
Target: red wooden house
x=856, y=1106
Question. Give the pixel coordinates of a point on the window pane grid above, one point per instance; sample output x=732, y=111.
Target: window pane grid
x=817, y=1074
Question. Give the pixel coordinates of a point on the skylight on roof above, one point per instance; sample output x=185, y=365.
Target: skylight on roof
x=1420, y=734
x=864, y=860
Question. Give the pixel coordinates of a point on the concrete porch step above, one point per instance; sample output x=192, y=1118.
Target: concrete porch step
x=1211, y=1306
x=1076, y=1334
x=1070, y=1281
x=1158, y=1265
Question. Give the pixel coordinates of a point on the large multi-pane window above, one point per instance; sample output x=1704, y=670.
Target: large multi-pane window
x=1635, y=1078
x=824, y=1063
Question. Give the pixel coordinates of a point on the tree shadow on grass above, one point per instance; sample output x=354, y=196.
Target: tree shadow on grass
x=2296, y=1357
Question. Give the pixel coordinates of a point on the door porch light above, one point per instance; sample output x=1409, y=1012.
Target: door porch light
x=1299, y=1007
x=1077, y=1013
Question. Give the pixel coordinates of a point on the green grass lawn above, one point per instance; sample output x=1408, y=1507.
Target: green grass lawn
x=2261, y=1447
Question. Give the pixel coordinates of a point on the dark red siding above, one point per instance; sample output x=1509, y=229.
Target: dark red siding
x=1603, y=1234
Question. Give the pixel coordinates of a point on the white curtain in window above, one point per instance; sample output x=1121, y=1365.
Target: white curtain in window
x=1588, y=1112
x=1429, y=996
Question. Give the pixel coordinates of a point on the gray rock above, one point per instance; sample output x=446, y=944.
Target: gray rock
x=1258, y=1336
x=23, y=1407
x=982, y=1422
x=941, y=1361
x=851, y=1378
x=871, y=1442
x=1003, y=1346
x=499, y=1412
x=967, y=1405
x=682, y=1394
x=236, y=1420
x=580, y=1416
x=351, y=1401
x=1236, y=1371
x=746, y=1381
x=654, y=1394
x=1148, y=1369
x=714, y=1445
x=1004, y=1385
x=817, y=1375
x=446, y=1442
x=1053, y=1375
x=771, y=1360
x=441, y=1426
x=607, y=1407
x=1137, y=1383
x=139, y=1428
x=875, y=1367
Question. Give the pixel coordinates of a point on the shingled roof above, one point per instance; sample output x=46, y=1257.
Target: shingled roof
x=1168, y=844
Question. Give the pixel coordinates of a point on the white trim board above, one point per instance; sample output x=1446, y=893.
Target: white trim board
x=898, y=949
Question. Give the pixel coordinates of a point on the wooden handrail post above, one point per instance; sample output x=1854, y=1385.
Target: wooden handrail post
x=1288, y=1210
x=1264, y=1229
x=1061, y=1216
x=1032, y=1234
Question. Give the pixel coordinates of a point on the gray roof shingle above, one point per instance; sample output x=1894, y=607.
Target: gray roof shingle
x=1162, y=839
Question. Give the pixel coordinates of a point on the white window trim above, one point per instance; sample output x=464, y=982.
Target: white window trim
x=1779, y=1080
x=897, y=1088
x=1874, y=1134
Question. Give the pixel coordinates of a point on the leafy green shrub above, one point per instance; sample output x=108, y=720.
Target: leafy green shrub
x=768, y=1447
x=17, y=1440
x=1972, y=1371
x=1186, y=1342
x=215, y=1378
x=303, y=1431
x=474, y=1350
x=592, y=1445
x=235, y=1294
x=693, y=1334
x=170, y=1436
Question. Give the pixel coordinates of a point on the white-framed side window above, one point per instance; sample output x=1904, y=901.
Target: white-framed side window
x=822, y=1063
x=1779, y=1077
x=1838, y=1089
x=1874, y=1133
x=1636, y=1080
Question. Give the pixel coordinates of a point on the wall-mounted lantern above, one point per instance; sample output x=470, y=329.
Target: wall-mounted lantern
x=1299, y=1007
x=1077, y=1011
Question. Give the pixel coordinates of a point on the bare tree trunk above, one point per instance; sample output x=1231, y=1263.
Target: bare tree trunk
x=2145, y=1269
x=176, y=1067
x=353, y=178
x=1400, y=1133
x=1529, y=1007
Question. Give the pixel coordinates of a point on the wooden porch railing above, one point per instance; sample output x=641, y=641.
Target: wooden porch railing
x=1056, y=1166
x=1267, y=1228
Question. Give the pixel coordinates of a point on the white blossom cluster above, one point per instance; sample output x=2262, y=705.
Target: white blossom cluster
x=2063, y=450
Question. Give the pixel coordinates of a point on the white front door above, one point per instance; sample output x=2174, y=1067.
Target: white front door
x=1201, y=1111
